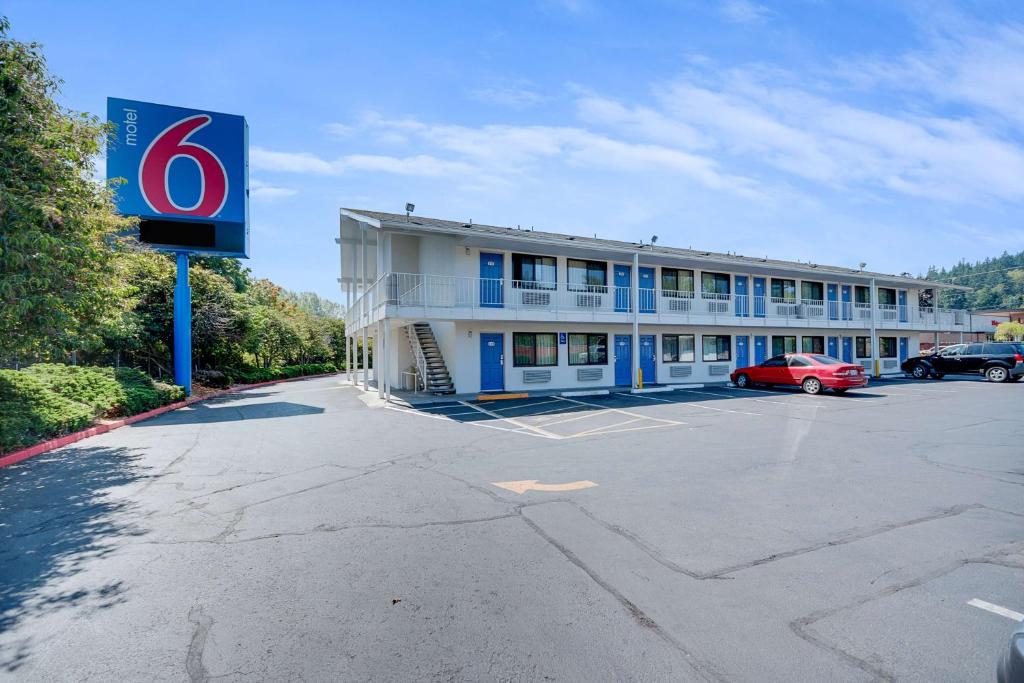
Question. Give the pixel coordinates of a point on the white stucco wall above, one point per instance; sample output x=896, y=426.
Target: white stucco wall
x=464, y=364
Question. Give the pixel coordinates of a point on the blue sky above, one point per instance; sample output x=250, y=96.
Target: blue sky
x=833, y=132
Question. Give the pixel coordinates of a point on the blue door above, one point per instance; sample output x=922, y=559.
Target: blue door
x=647, y=363
x=833, y=346
x=623, y=359
x=833, y=305
x=847, y=348
x=847, y=307
x=901, y=299
x=904, y=348
x=492, y=280
x=758, y=297
x=492, y=362
x=760, y=349
x=742, y=351
x=742, y=296
x=646, y=293
x=623, y=288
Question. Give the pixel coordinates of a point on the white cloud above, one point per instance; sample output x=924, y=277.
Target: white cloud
x=744, y=11
x=288, y=162
x=261, y=191
x=839, y=145
x=512, y=96
x=980, y=67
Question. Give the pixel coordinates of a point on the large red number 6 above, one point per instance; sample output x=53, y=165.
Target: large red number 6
x=156, y=164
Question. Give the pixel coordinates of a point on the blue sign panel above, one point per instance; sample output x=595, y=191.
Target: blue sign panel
x=184, y=172
x=562, y=338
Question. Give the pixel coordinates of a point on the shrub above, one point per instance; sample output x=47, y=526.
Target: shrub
x=256, y=375
x=212, y=378
x=31, y=412
x=95, y=387
x=47, y=400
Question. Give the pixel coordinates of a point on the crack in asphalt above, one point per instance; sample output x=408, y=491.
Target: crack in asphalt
x=801, y=626
x=705, y=669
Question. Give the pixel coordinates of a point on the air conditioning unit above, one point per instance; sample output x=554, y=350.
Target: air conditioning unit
x=679, y=305
x=718, y=307
x=785, y=310
x=536, y=298
x=864, y=313
x=588, y=300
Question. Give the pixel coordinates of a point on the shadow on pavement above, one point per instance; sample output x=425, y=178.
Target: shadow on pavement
x=56, y=515
x=213, y=412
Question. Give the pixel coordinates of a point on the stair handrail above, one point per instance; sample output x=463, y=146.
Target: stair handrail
x=417, y=352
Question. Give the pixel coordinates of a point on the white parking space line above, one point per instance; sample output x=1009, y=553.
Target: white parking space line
x=691, y=404
x=475, y=424
x=537, y=430
x=996, y=609
x=604, y=430
x=584, y=416
x=625, y=412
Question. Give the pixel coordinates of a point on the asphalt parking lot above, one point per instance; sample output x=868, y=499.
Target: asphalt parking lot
x=307, y=531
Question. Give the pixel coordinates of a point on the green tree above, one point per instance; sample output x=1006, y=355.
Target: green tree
x=56, y=221
x=1010, y=331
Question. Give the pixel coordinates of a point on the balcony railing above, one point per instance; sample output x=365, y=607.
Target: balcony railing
x=486, y=298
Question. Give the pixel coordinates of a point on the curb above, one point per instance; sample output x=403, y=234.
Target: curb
x=52, y=444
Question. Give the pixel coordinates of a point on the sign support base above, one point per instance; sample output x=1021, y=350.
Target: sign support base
x=183, y=325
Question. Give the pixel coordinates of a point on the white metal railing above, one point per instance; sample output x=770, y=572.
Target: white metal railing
x=477, y=296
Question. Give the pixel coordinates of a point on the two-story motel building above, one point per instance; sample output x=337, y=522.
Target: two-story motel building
x=477, y=308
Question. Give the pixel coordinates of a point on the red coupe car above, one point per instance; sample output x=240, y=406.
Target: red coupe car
x=812, y=372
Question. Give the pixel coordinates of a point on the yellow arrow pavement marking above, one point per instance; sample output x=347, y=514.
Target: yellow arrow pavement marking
x=525, y=485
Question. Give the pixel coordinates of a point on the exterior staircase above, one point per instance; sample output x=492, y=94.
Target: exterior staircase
x=433, y=372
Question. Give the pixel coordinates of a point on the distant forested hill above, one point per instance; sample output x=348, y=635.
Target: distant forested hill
x=997, y=282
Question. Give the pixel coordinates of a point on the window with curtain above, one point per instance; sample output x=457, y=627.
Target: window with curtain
x=812, y=291
x=677, y=348
x=813, y=344
x=587, y=275
x=588, y=349
x=863, y=347
x=676, y=282
x=534, y=272
x=862, y=295
x=783, y=344
x=887, y=347
x=714, y=283
x=886, y=297
x=534, y=349
x=784, y=289
x=717, y=347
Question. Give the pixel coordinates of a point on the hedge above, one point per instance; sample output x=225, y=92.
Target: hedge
x=45, y=400
x=255, y=375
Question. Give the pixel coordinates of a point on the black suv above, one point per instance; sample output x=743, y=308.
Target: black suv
x=997, y=361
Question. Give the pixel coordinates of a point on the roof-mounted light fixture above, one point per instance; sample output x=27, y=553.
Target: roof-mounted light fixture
x=409, y=208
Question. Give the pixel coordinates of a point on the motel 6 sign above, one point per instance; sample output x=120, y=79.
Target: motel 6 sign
x=185, y=175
